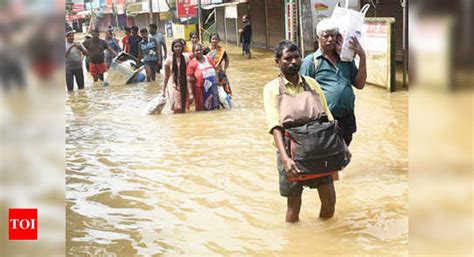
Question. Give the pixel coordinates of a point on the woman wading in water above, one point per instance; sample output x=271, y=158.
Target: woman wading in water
x=180, y=94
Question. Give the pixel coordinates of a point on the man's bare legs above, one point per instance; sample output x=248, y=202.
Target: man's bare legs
x=327, y=195
x=293, y=209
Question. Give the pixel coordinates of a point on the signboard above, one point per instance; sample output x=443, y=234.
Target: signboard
x=136, y=8
x=186, y=8
x=159, y=6
x=208, y=2
x=74, y=17
x=169, y=28
x=93, y=4
x=77, y=8
x=182, y=31
x=231, y=12
x=291, y=20
x=144, y=7
x=117, y=4
x=120, y=9
x=377, y=42
x=375, y=38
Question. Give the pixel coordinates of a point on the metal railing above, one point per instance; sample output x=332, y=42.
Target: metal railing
x=206, y=32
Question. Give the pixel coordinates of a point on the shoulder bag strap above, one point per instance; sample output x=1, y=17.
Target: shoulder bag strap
x=281, y=85
x=317, y=63
x=306, y=86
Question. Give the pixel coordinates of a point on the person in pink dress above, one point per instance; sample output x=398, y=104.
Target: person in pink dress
x=180, y=94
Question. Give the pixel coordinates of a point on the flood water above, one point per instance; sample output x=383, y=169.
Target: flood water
x=206, y=183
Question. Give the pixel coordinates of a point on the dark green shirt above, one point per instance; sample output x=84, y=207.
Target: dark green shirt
x=335, y=81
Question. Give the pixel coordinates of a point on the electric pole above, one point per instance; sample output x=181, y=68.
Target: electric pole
x=151, y=10
x=199, y=14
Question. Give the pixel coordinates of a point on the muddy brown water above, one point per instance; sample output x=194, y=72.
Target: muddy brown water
x=206, y=183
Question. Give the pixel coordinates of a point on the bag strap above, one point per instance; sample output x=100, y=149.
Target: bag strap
x=365, y=8
x=347, y=4
x=283, y=88
x=291, y=146
x=305, y=85
x=317, y=63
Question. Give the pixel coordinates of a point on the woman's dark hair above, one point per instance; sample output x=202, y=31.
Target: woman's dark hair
x=282, y=45
x=193, y=33
x=183, y=84
x=214, y=34
x=183, y=43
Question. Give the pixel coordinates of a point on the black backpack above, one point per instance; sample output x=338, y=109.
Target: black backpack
x=317, y=147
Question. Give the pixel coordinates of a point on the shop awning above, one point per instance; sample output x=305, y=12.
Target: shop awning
x=212, y=6
x=137, y=8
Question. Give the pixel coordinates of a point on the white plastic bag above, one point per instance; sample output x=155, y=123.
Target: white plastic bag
x=224, y=98
x=350, y=24
x=155, y=106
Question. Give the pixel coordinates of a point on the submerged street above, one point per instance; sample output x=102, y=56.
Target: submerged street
x=206, y=183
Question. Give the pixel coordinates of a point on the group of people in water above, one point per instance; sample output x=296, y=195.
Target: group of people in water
x=193, y=74
x=197, y=74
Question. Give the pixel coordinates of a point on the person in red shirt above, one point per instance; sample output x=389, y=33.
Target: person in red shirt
x=202, y=78
x=125, y=45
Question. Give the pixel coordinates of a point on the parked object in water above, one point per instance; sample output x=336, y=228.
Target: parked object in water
x=125, y=69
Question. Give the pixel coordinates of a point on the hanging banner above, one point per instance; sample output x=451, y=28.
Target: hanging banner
x=231, y=12
x=159, y=6
x=186, y=8
x=291, y=20
x=93, y=4
x=77, y=8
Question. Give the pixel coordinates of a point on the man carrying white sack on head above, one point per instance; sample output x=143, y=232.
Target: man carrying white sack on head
x=335, y=76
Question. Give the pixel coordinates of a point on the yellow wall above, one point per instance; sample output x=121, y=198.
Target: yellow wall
x=182, y=31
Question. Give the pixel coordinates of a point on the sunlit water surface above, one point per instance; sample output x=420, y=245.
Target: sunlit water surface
x=206, y=183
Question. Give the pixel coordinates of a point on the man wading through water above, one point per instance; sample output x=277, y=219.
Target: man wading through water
x=96, y=47
x=335, y=76
x=288, y=58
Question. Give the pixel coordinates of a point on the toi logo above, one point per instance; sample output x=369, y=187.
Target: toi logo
x=22, y=224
